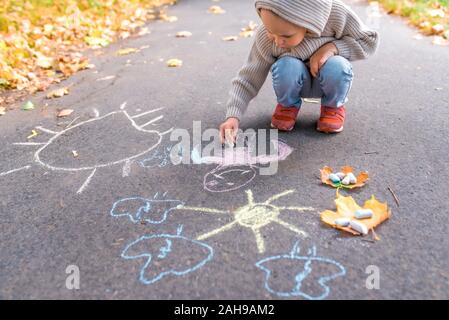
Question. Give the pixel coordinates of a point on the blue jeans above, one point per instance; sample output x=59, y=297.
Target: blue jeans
x=292, y=81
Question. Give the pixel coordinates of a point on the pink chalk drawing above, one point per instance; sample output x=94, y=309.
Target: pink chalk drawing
x=237, y=166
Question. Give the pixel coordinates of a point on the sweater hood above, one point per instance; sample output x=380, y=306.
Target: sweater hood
x=310, y=14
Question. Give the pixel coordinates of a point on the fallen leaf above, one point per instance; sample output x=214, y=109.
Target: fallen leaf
x=183, y=34
x=164, y=17
x=446, y=34
x=248, y=31
x=64, y=113
x=58, y=93
x=28, y=106
x=96, y=42
x=33, y=134
x=346, y=206
x=123, y=52
x=143, y=31
x=436, y=13
x=44, y=62
x=174, y=63
x=362, y=178
x=438, y=28
x=216, y=10
x=440, y=41
x=2, y=111
x=230, y=38
x=106, y=78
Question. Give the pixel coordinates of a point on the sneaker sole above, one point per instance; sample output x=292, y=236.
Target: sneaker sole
x=285, y=130
x=331, y=130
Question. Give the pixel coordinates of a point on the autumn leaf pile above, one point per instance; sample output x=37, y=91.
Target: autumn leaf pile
x=431, y=17
x=41, y=41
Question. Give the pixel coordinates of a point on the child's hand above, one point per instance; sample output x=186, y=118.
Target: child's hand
x=320, y=57
x=228, y=130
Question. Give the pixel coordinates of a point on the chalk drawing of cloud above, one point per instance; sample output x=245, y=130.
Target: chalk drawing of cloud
x=154, y=211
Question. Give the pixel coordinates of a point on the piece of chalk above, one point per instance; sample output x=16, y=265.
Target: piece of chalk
x=352, y=178
x=341, y=175
x=342, y=222
x=346, y=181
x=334, y=178
x=359, y=227
x=363, y=214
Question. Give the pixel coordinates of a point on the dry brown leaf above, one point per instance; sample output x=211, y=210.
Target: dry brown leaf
x=174, y=63
x=362, y=178
x=58, y=93
x=216, y=10
x=183, y=34
x=346, y=206
x=64, y=113
x=438, y=28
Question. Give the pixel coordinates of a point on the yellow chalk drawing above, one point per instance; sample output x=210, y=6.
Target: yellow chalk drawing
x=254, y=216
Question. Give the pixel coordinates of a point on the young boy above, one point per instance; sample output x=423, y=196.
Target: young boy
x=307, y=46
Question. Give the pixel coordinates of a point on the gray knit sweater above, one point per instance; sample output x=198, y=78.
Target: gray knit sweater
x=325, y=20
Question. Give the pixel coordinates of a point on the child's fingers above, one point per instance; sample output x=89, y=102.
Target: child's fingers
x=313, y=68
x=230, y=135
x=222, y=134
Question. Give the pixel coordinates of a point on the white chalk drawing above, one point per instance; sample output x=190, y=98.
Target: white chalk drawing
x=44, y=156
x=254, y=216
x=225, y=179
x=159, y=158
x=295, y=270
x=167, y=254
x=137, y=209
x=237, y=166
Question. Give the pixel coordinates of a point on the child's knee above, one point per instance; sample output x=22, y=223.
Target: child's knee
x=288, y=74
x=336, y=69
x=287, y=66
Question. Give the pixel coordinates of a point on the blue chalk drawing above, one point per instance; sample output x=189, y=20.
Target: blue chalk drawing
x=167, y=254
x=154, y=211
x=165, y=250
x=310, y=261
x=159, y=157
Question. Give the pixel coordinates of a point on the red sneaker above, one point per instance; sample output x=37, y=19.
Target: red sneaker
x=284, y=118
x=332, y=119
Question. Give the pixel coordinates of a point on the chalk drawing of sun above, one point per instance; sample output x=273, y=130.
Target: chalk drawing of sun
x=254, y=216
x=88, y=135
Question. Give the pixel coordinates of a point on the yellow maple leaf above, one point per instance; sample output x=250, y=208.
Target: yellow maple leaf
x=346, y=207
x=125, y=51
x=216, y=10
x=174, y=63
x=362, y=178
x=58, y=93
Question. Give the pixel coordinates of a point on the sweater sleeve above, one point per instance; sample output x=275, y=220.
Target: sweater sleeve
x=354, y=40
x=251, y=77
